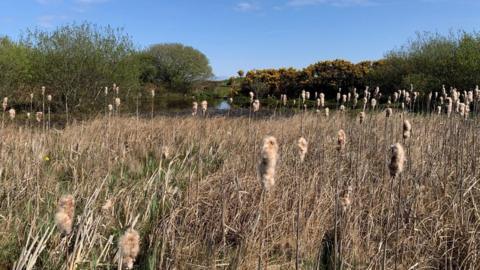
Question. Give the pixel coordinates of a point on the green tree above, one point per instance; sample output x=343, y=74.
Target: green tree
x=179, y=67
x=75, y=62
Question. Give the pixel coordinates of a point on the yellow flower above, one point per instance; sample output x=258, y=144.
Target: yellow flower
x=46, y=158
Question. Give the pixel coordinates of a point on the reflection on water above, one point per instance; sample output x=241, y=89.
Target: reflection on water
x=223, y=105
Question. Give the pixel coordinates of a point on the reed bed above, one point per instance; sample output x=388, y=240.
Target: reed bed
x=185, y=193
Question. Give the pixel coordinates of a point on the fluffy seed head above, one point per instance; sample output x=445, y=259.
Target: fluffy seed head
x=397, y=159
x=64, y=214
x=268, y=162
x=129, y=247
x=361, y=117
x=256, y=105
x=5, y=103
x=49, y=98
x=117, y=102
x=39, y=116
x=327, y=111
x=407, y=129
x=110, y=107
x=341, y=139
x=194, y=108
x=11, y=113
x=388, y=112
x=204, y=106
x=302, y=148
x=43, y=90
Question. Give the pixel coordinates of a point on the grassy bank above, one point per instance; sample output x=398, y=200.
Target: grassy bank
x=190, y=187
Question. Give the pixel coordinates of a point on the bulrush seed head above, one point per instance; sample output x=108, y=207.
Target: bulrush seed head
x=361, y=117
x=194, y=108
x=388, y=112
x=407, y=129
x=397, y=159
x=341, y=140
x=256, y=105
x=268, y=162
x=39, y=116
x=11, y=113
x=65, y=213
x=204, y=106
x=302, y=148
x=129, y=247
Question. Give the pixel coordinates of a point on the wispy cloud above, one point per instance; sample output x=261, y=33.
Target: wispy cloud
x=90, y=1
x=337, y=3
x=246, y=6
x=49, y=21
x=48, y=2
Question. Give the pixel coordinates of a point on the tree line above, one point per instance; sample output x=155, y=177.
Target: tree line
x=428, y=62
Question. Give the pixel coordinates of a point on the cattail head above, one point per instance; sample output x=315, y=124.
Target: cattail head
x=339, y=96
x=256, y=105
x=5, y=103
x=361, y=117
x=11, y=113
x=303, y=95
x=302, y=148
x=31, y=96
x=230, y=100
x=117, y=102
x=29, y=115
x=346, y=198
x=307, y=95
x=107, y=206
x=342, y=108
x=341, y=140
x=461, y=109
x=439, y=110
x=49, y=98
x=43, y=90
x=105, y=91
x=397, y=159
x=327, y=112
x=388, y=112
x=110, y=107
x=204, y=106
x=252, y=95
x=268, y=162
x=194, y=108
x=152, y=93
x=373, y=103
x=129, y=247
x=117, y=90
x=39, y=116
x=165, y=152
x=65, y=213
x=344, y=98
x=407, y=129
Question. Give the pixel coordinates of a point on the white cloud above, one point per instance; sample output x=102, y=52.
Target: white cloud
x=246, y=6
x=338, y=3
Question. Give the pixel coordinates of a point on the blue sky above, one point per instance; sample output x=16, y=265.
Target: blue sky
x=248, y=34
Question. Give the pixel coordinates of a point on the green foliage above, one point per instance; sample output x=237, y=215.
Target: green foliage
x=75, y=62
x=431, y=60
x=179, y=67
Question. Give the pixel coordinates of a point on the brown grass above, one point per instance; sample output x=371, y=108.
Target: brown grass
x=198, y=207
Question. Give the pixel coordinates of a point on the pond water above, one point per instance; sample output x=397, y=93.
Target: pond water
x=223, y=105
